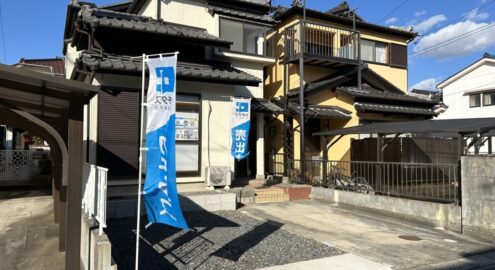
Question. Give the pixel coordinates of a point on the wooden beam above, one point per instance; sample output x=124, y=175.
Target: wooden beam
x=62, y=227
x=74, y=189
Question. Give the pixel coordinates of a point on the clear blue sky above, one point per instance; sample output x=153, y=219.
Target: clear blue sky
x=34, y=29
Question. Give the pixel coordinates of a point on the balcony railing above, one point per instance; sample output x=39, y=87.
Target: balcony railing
x=322, y=44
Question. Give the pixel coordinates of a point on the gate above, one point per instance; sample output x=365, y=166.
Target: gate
x=15, y=165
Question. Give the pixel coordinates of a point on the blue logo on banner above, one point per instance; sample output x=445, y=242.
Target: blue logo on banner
x=162, y=201
x=240, y=139
x=167, y=79
x=242, y=107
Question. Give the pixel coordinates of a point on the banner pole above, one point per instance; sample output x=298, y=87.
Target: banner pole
x=141, y=150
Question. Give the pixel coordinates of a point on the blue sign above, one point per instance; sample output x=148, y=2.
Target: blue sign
x=160, y=188
x=241, y=115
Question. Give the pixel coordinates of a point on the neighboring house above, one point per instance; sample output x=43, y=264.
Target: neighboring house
x=50, y=66
x=222, y=54
x=470, y=93
x=331, y=75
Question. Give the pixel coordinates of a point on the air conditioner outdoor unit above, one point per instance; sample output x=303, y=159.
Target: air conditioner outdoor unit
x=218, y=176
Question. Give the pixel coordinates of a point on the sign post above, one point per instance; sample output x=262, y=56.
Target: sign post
x=160, y=188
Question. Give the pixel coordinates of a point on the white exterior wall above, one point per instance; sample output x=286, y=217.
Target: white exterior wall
x=454, y=94
x=456, y=97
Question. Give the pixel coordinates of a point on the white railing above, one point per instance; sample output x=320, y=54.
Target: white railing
x=15, y=165
x=94, y=201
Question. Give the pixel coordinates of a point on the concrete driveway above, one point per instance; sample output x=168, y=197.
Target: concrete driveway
x=397, y=243
x=28, y=236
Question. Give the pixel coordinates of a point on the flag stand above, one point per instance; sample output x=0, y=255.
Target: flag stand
x=142, y=149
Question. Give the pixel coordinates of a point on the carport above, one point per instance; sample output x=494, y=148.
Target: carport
x=436, y=180
x=53, y=109
x=480, y=130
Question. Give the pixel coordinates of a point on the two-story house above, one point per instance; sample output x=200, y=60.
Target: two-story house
x=355, y=72
x=222, y=54
x=470, y=93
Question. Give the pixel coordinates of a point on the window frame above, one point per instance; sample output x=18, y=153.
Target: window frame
x=483, y=101
x=480, y=101
x=196, y=106
x=236, y=20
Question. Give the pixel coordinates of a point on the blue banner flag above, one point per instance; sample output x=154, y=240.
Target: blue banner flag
x=160, y=188
x=241, y=123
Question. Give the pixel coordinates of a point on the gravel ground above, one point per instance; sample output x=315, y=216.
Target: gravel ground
x=217, y=240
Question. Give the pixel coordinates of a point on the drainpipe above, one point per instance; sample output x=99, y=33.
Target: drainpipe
x=158, y=9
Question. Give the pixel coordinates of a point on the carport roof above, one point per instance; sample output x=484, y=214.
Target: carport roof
x=40, y=94
x=450, y=127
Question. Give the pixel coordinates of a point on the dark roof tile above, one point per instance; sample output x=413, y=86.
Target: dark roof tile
x=265, y=18
x=375, y=94
x=390, y=108
x=112, y=19
x=263, y=105
x=208, y=71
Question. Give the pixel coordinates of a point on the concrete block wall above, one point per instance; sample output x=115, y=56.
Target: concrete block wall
x=443, y=215
x=478, y=196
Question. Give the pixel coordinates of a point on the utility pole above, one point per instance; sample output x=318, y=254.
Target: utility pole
x=301, y=94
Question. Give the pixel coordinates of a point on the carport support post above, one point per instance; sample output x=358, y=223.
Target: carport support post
x=75, y=145
x=379, y=159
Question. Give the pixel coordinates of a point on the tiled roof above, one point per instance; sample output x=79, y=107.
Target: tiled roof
x=257, y=2
x=263, y=105
x=207, y=72
x=398, y=109
x=317, y=111
x=383, y=95
x=241, y=14
x=113, y=19
x=328, y=81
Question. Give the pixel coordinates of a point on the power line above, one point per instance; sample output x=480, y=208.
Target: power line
x=3, y=35
x=452, y=40
x=393, y=11
x=457, y=19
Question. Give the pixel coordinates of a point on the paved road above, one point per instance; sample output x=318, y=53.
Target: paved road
x=28, y=236
x=376, y=237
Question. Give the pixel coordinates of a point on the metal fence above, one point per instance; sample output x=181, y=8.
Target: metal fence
x=94, y=201
x=321, y=41
x=274, y=164
x=418, y=181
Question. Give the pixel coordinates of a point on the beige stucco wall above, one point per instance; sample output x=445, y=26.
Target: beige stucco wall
x=274, y=85
x=215, y=118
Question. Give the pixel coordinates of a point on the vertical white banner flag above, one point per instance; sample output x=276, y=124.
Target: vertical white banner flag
x=160, y=188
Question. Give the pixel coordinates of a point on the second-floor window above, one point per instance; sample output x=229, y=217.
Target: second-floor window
x=475, y=100
x=489, y=99
x=374, y=51
x=246, y=37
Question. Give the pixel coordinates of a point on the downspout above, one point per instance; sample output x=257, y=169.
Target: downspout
x=158, y=9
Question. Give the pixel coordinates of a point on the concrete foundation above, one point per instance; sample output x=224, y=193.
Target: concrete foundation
x=442, y=215
x=209, y=201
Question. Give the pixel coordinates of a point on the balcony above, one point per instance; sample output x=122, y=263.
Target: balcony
x=323, y=45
